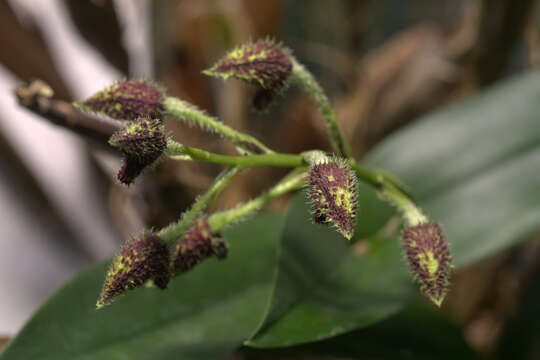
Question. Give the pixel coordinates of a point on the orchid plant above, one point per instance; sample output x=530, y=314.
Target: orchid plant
x=156, y=257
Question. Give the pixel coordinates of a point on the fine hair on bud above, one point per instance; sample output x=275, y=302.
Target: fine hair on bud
x=200, y=242
x=429, y=259
x=333, y=192
x=141, y=142
x=143, y=259
x=262, y=63
x=127, y=100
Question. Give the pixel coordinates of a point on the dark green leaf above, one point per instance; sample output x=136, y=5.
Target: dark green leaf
x=204, y=314
x=418, y=332
x=324, y=289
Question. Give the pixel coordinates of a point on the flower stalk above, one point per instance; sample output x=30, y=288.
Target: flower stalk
x=153, y=257
x=302, y=77
x=181, y=110
x=174, y=231
x=293, y=181
x=179, y=151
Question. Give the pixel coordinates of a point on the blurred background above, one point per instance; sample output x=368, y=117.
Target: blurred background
x=384, y=63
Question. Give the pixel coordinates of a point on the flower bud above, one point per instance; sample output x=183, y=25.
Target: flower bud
x=143, y=259
x=429, y=259
x=262, y=63
x=200, y=243
x=127, y=100
x=333, y=192
x=142, y=142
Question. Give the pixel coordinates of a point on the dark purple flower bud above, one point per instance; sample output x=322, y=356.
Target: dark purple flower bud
x=429, y=259
x=127, y=100
x=143, y=259
x=142, y=142
x=333, y=192
x=263, y=63
x=199, y=243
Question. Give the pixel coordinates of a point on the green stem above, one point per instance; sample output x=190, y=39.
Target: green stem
x=174, y=231
x=369, y=176
x=305, y=79
x=409, y=210
x=293, y=181
x=181, y=110
x=390, y=192
x=178, y=151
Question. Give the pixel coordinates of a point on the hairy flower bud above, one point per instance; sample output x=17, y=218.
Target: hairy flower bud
x=142, y=142
x=127, y=100
x=200, y=243
x=143, y=259
x=333, y=192
x=262, y=63
x=429, y=259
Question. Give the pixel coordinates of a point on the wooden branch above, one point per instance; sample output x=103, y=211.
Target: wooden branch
x=38, y=97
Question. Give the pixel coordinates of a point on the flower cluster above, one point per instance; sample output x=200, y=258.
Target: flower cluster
x=147, y=258
x=332, y=183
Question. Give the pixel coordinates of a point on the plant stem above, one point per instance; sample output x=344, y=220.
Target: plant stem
x=178, y=151
x=390, y=192
x=181, y=110
x=174, y=231
x=409, y=210
x=294, y=180
x=305, y=79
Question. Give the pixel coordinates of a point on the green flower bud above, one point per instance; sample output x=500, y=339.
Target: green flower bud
x=333, y=192
x=429, y=259
x=142, y=142
x=143, y=259
x=200, y=243
x=263, y=63
x=127, y=100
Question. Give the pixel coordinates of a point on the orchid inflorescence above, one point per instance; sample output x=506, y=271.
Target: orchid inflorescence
x=155, y=257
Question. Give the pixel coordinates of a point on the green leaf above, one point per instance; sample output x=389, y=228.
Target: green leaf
x=418, y=332
x=473, y=166
x=324, y=289
x=204, y=314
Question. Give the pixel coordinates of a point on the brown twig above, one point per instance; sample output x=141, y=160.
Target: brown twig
x=38, y=97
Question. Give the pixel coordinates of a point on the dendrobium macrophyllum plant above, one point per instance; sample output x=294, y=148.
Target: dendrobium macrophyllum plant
x=331, y=179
